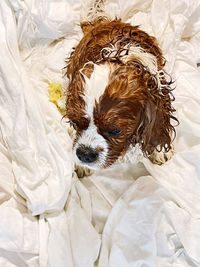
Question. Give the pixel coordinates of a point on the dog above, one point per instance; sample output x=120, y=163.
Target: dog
x=119, y=97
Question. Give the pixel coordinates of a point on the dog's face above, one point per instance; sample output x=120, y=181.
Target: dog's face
x=118, y=94
x=110, y=108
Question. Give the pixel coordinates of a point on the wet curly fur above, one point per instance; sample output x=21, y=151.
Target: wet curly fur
x=138, y=94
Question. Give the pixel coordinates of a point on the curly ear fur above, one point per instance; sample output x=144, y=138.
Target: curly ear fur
x=155, y=129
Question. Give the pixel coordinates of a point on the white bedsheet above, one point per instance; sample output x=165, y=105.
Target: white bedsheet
x=144, y=215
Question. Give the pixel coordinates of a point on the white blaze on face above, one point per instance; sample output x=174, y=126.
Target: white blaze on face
x=94, y=88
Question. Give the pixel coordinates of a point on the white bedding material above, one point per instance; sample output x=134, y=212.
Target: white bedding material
x=145, y=215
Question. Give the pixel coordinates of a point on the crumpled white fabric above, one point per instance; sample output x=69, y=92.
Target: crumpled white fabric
x=128, y=215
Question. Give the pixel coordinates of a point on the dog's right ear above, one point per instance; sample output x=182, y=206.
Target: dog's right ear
x=155, y=129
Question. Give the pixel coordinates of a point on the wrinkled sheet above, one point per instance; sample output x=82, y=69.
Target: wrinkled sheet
x=128, y=215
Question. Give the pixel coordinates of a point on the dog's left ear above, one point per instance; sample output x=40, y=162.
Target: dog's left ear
x=155, y=130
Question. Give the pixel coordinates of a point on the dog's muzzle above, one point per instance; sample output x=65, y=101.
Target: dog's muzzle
x=86, y=154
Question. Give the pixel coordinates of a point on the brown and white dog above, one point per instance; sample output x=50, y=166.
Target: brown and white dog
x=119, y=96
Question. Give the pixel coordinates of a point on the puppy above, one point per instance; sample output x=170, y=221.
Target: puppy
x=119, y=96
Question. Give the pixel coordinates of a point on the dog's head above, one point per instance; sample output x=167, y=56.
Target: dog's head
x=113, y=106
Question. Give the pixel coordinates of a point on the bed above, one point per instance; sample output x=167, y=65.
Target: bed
x=128, y=215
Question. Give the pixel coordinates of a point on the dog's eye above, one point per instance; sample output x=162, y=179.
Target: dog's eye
x=73, y=123
x=114, y=132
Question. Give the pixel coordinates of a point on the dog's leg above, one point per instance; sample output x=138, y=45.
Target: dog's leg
x=82, y=171
x=161, y=157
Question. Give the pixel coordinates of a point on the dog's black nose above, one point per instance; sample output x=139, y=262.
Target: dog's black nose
x=86, y=154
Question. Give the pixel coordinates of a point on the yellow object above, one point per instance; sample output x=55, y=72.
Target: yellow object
x=56, y=96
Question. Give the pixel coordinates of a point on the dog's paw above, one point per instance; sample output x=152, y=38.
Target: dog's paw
x=160, y=158
x=82, y=171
